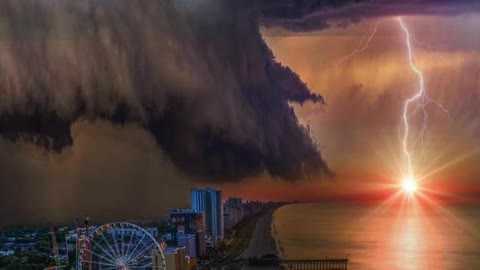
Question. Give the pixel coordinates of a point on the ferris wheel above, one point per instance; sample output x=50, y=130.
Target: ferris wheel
x=121, y=246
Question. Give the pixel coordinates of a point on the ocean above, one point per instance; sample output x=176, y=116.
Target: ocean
x=380, y=237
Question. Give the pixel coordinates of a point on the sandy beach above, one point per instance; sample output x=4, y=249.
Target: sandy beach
x=262, y=241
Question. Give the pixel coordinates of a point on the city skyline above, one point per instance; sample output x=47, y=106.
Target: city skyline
x=179, y=242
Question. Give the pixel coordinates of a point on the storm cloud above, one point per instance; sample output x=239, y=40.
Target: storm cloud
x=197, y=75
x=312, y=15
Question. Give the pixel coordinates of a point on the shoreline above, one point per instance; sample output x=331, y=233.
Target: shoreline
x=264, y=239
x=280, y=252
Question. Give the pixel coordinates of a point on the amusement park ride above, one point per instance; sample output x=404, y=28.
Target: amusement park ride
x=118, y=245
x=55, y=251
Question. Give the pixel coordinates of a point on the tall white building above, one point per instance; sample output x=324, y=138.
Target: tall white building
x=209, y=201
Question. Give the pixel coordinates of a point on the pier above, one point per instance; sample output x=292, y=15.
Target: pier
x=327, y=264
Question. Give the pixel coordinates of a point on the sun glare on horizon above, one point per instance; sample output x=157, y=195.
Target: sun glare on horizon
x=409, y=185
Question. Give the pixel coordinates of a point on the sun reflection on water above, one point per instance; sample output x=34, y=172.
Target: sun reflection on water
x=413, y=236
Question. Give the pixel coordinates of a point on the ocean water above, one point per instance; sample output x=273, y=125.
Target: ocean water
x=374, y=237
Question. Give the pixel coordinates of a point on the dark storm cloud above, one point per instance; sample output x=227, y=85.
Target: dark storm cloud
x=110, y=172
x=196, y=74
x=310, y=15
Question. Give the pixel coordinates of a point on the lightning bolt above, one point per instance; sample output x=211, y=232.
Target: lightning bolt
x=420, y=97
x=364, y=43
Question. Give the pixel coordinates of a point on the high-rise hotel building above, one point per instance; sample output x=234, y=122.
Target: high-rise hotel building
x=186, y=223
x=209, y=201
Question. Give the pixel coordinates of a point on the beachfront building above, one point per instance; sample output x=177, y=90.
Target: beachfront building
x=226, y=220
x=189, y=242
x=209, y=201
x=233, y=212
x=188, y=222
x=251, y=208
x=175, y=258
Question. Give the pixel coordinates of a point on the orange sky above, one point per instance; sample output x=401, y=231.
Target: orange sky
x=359, y=128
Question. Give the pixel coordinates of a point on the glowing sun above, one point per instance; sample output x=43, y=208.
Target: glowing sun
x=409, y=185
